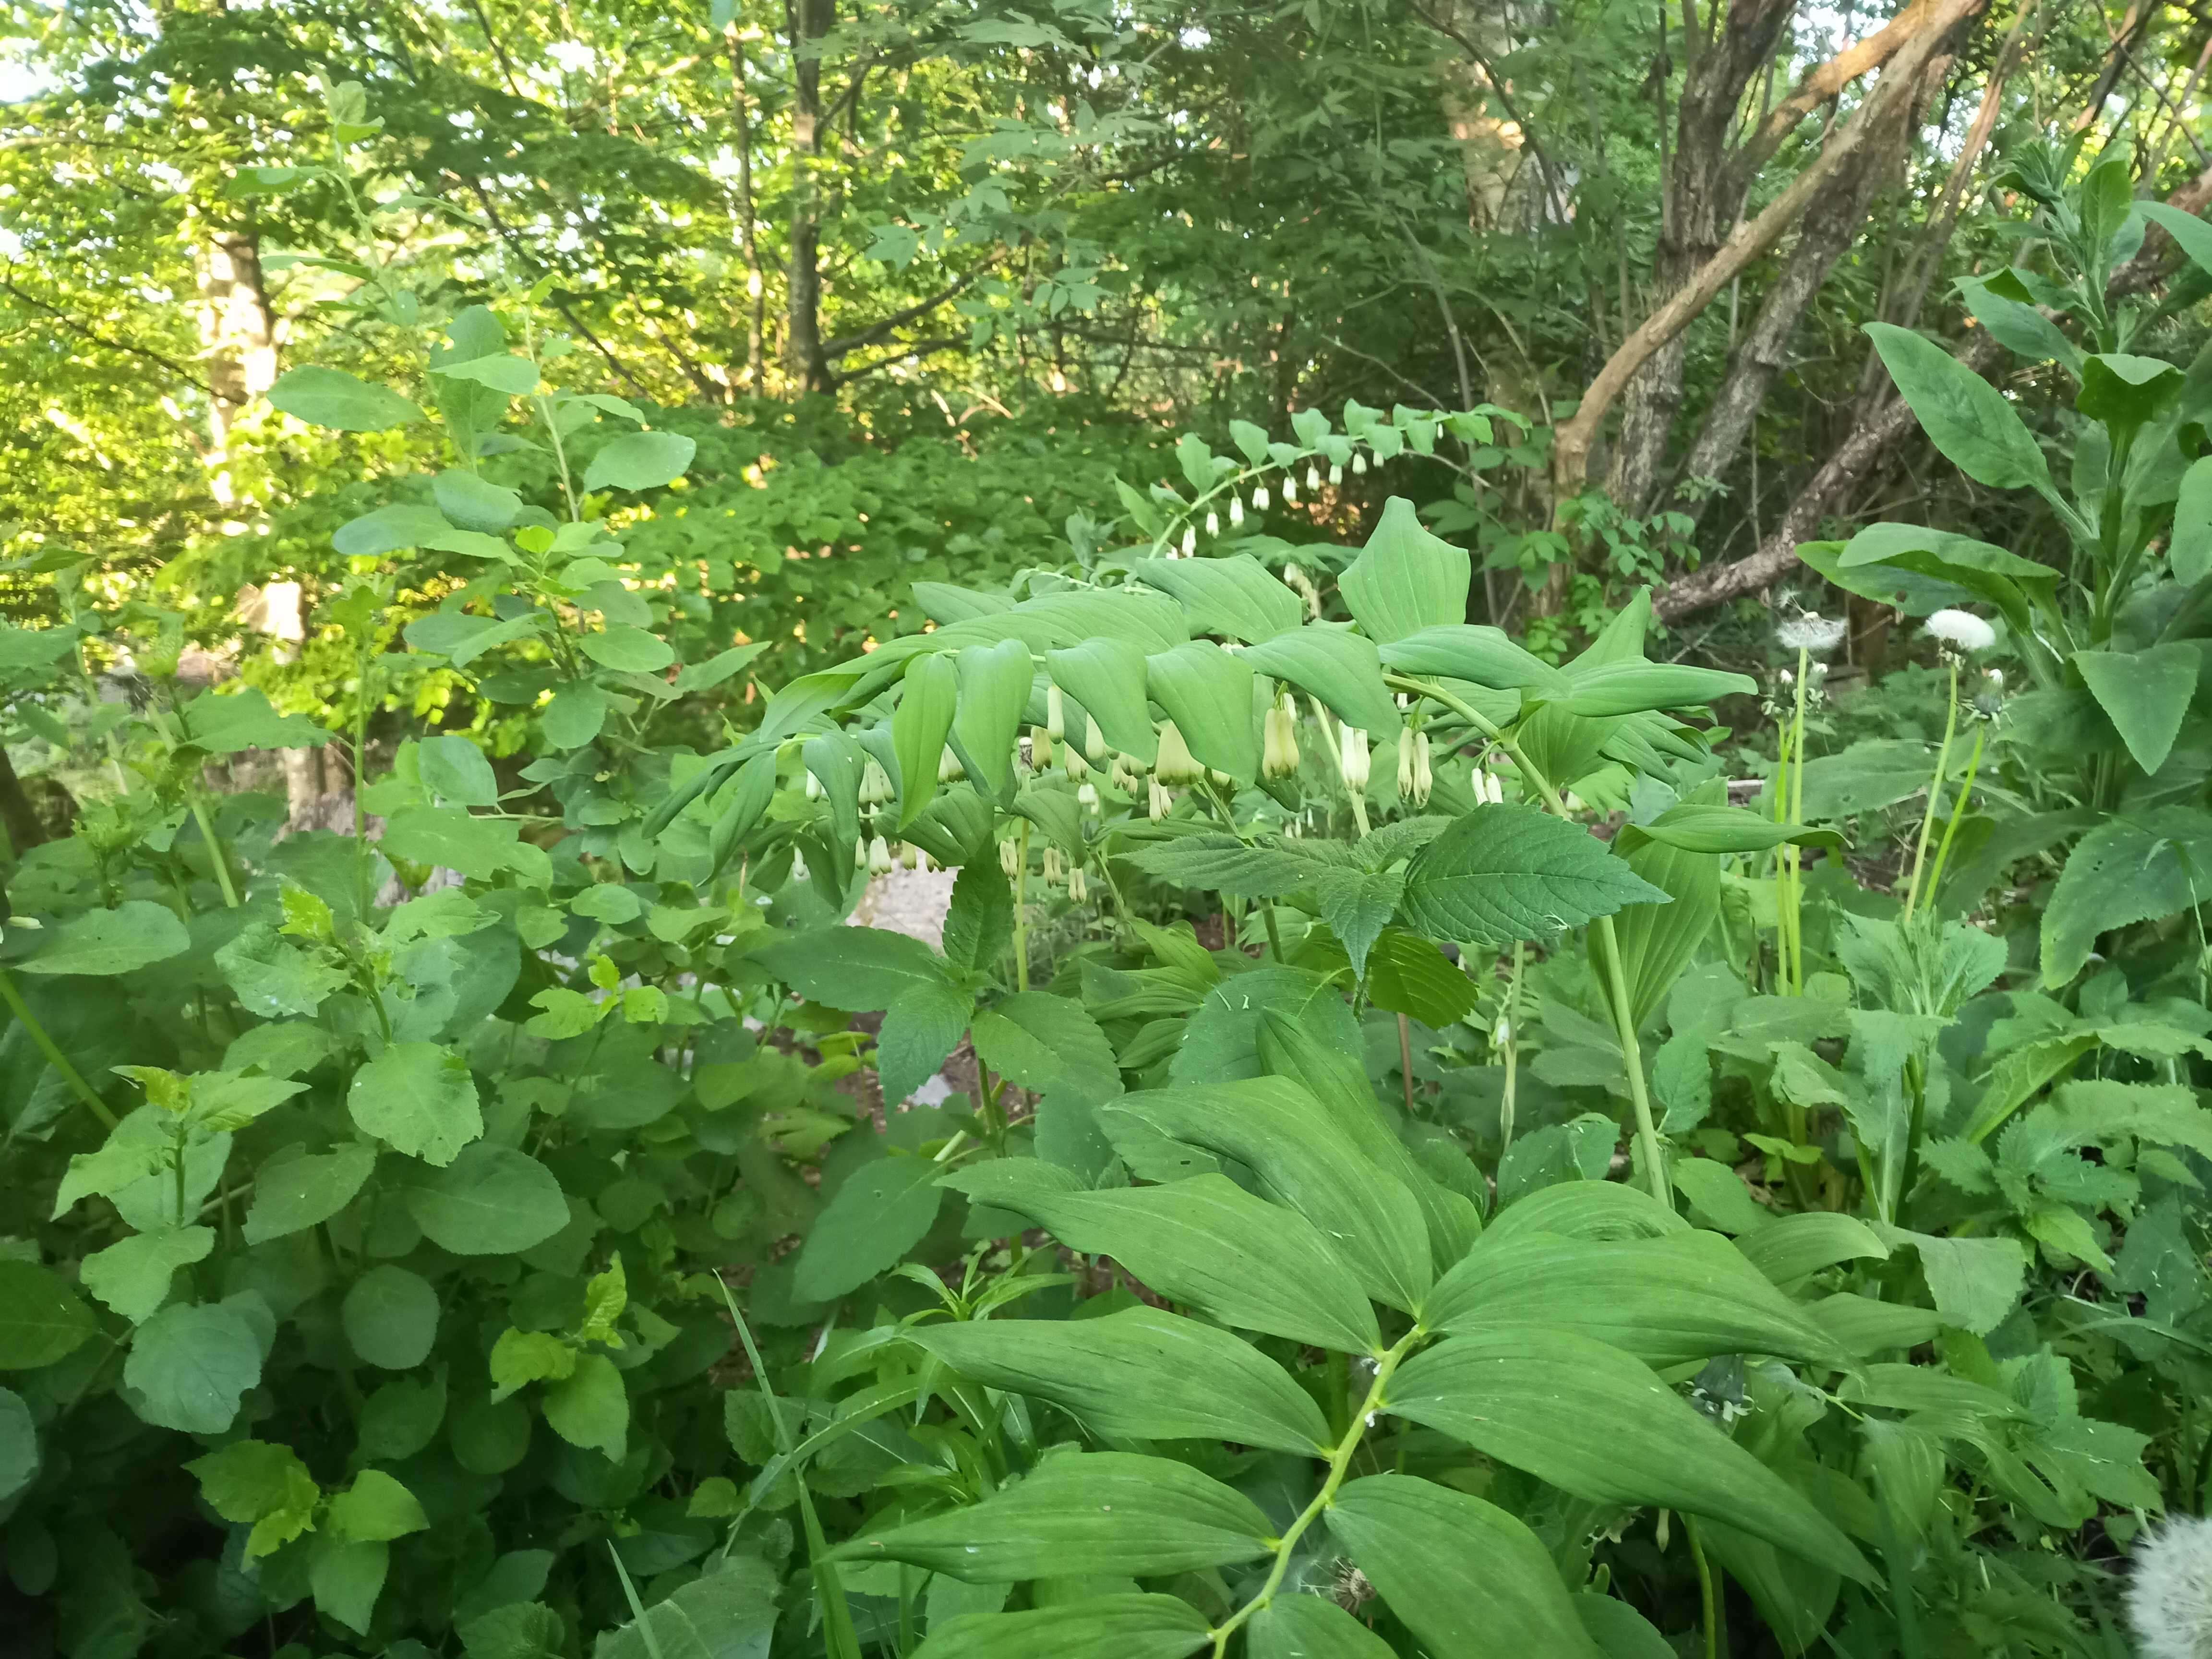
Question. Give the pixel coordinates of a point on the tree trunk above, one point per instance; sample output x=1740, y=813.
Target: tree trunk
x=748, y=241
x=810, y=368
x=238, y=341
x=1704, y=192
x=1830, y=224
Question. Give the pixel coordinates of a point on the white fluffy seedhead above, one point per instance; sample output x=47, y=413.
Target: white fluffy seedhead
x=1962, y=631
x=2170, y=1591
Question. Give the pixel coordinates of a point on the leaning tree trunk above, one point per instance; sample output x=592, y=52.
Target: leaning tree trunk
x=238, y=341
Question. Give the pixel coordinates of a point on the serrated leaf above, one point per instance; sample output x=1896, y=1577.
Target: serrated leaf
x=100, y=943
x=1504, y=873
x=418, y=1098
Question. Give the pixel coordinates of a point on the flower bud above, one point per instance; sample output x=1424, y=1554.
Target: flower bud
x=1050, y=862
x=1055, y=713
x=1236, y=510
x=1212, y=523
x=1072, y=761
x=949, y=768
x=1157, y=800
x=1086, y=797
x=1336, y=472
x=1313, y=476
x=1425, y=780
x=880, y=860
x=1076, y=888
x=1260, y=499
x=1290, y=491
x=1176, y=766
x=1358, y=463
x=1354, y=756
x=875, y=783
x=1094, y=743
x=1189, y=540
x=909, y=856
x=798, y=866
x=860, y=856
x=1039, y=748
x=1279, y=758
x=814, y=787
x=1010, y=858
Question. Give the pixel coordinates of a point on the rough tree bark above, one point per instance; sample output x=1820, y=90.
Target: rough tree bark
x=1831, y=225
x=1705, y=191
x=1573, y=442
x=747, y=242
x=1878, y=429
x=238, y=341
x=809, y=21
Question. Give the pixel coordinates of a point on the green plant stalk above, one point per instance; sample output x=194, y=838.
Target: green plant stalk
x=1708, y=1590
x=1793, y=807
x=1934, y=795
x=1624, y=1020
x=1958, y=815
x=1022, y=910
x=1511, y=1048
x=47, y=1046
x=1340, y=1461
x=843, y=1641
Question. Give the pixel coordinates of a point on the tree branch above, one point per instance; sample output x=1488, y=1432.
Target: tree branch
x=877, y=333
x=1824, y=82
x=85, y=331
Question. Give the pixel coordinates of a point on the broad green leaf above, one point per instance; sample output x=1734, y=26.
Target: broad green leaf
x=1235, y=597
x=852, y=968
x=419, y=1098
x=248, y=1481
x=1463, y=1576
x=1207, y=692
x=1976, y=1282
x=1504, y=874
x=629, y=650
x=727, y=1613
x=390, y=1317
x=1619, y=1630
x=1141, y=1374
x=1790, y=1247
x=574, y=716
x=273, y=977
x=920, y=1027
x=521, y=1357
x=1632, y=688
x=522, y=1630
x=1216, y=861
x=500, y=371
x=20, y=1460
x=1101, y=1627
x=919, y=727
x=1408, y=975
x=347, y=1579
x=2017, y=324
x=390, y=530
x=1205, y=1242
x=41, y=1318
x=1293, y=1626
x=2145, y=693
x=1107, y=678
x=1113, y=1513
x=448, y=836
x=1405, y=579
x=490, y=1200
x=1479, y=655
x=475, y=503
x=979, y=923
x=1718, y=1193
x=230, y=722
x=1051, y=1045
x=2124, y=390
x=1593, y=1421
x=640, y=460
x=740, y=805
x=2189, y=556
x=455, y=769
x=376, y=1509
x=98, y=943
x=333, y=398
x=189, y=1365
x=1964, y=416
x=1336, y=664
x=1306, y=1159
x=994, y=691
x=882, y=1211
x=1687, y=1296
x=1587, y=1209
x=1696, y=827
x=133, y=1276
x=590, y=1406
x=2131, y=868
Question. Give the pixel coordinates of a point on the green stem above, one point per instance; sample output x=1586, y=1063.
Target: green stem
x=1339, y=1461
x=1958, y=813
x=216, y=854
x=1935, y=794
x=1512, y=1048
x=1708, y=1590
x=1624, y=1020
x=1790, y=851
x=1021, y=911
x=46, y=1045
